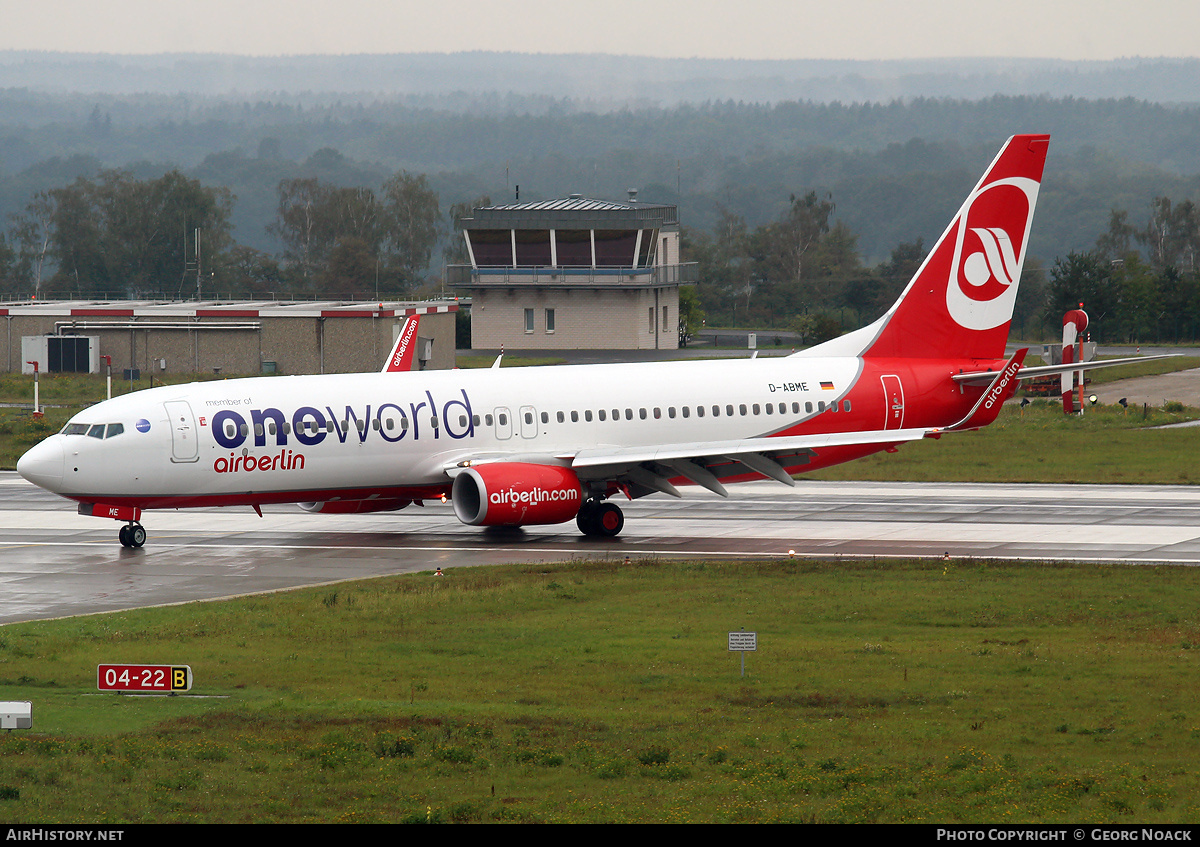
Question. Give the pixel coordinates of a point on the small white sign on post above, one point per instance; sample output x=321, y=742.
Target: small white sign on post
x=16, y=714
x=743, y=642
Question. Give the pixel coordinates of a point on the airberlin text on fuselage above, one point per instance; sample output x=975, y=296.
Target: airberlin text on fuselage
x=310, y=425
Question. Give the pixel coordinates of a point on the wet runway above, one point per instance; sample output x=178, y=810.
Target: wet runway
x=55, y=563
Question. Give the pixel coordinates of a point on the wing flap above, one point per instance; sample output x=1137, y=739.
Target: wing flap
x=595, y=457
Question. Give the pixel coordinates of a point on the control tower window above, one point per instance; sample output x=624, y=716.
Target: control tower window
x=574, y=248
x=533, y=248
x=614, y=248
x=492, y=247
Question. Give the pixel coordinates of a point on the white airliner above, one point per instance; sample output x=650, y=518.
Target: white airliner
x=522, y=446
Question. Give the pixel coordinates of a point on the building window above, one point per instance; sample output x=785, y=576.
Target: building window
x=665, y=322
x=533, y=248
x=529, y=320
x=650, y=317
x=574, y=248
x=614, y=248
x=549, y=320
x=491, y=248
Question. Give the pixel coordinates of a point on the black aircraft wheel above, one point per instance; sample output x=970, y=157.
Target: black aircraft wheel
x=136, y=535
x=586, y=519
x=124, y=536
x=609, y=520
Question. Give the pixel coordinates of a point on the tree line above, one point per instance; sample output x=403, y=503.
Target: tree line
x=170, y=236
x=1140, y=283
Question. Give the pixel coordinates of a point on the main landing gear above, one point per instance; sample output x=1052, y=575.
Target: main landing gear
x=600, y=518
x=132, y=535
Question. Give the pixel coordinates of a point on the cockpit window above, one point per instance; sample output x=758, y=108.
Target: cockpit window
x=94, y=430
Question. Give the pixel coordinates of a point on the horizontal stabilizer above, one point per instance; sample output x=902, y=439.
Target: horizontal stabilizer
x=987, y=407
x=985, y=377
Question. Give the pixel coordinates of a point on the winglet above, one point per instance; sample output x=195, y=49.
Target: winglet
x=987, y=407
x=405, y=349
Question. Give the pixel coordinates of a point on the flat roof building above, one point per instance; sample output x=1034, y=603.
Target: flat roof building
x=573, y=273
x=225, y=337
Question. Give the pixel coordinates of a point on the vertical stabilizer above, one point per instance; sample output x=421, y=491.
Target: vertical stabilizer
x=960, y=302
x=405, y=349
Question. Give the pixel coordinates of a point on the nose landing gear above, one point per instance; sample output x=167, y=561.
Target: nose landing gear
x=132, y=535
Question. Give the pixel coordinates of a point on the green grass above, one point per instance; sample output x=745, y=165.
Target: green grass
x=1151, y=368
x=587, y=692
x=1107, y=444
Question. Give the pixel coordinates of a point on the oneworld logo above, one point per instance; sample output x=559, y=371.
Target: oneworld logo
x=310, y=426
x=993, y=229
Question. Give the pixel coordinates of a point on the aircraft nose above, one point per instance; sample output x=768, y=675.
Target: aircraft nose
x=43, y=464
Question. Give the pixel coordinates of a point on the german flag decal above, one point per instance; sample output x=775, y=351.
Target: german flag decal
x=826, y=386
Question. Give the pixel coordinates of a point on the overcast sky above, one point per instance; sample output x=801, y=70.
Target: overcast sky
x=767, y=29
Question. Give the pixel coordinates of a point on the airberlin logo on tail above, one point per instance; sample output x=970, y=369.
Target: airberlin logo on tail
x=993, y=229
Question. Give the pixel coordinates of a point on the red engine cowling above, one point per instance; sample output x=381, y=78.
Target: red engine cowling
x=353, y=507
x=516, y=494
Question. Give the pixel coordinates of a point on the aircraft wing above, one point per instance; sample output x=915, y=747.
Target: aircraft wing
x=705, y=463
x=598, y=456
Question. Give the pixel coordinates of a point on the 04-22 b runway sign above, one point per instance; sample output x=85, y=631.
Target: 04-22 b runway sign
x=145, y=679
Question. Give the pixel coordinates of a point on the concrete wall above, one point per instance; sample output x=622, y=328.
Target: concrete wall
x=604, y=319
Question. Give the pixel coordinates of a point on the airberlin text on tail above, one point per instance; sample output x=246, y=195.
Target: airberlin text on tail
x=406, y=347
x=960, y=302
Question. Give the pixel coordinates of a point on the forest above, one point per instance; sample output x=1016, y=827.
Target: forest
x=800, y=214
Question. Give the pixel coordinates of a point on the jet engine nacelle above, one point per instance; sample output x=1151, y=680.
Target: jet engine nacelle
x=516, y=494
x=354, y=507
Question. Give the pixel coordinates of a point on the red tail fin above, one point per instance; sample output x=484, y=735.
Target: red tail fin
x=406, y=347
x=960, y=302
